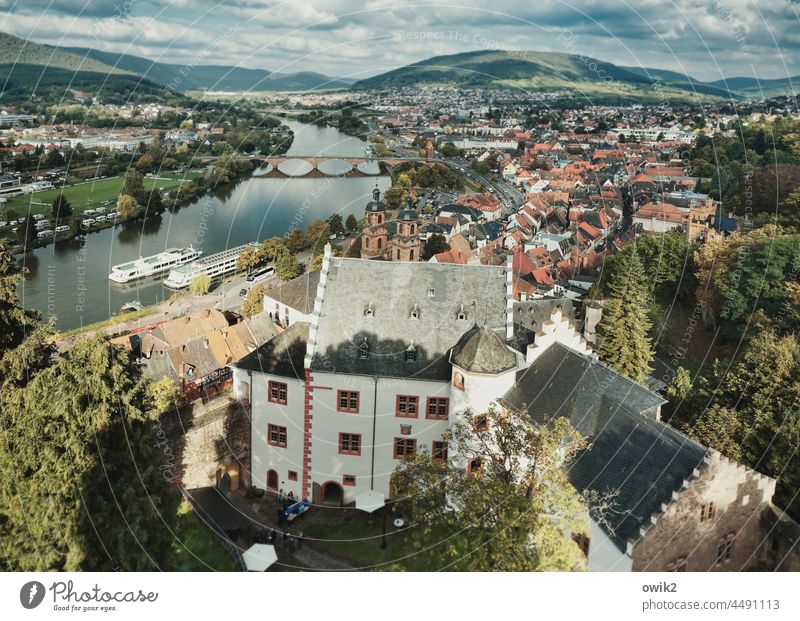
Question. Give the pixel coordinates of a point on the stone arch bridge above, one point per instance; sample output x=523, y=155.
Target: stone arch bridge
x=347, y=166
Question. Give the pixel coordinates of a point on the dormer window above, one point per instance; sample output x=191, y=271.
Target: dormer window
x=369, y=311
x=462, y=316
x=431, y=293
x=363, y=350
x=415, y=312
x=411, y=354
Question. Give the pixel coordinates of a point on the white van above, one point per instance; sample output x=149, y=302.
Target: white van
x=99, y=218
x=85, y=224
x=46, y=233
x=89, y=212
x=62, y=229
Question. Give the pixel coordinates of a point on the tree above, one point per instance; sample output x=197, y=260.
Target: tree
x=26, y=232
x=507, y=501
x=320, y=241
x=83, y=484
x=254, y=302
x=272, y=248
x=681, y=384
x=352, y=223
x=61, y=209
x=625, y=344
x=287, y=266
x=127, y=207
x=200, y=284
x=316, y=229
x=354, y=249
x=248, y=259
x=16, y=326
x=335, y=224
x=448, y=149
x=295, y=240
x=134, y=185
x=166, y=395
x=719, y=428
x=435, y=244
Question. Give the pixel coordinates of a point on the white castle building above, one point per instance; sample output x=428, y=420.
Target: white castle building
x=394, y=352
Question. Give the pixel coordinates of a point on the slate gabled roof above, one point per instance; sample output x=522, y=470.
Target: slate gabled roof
x=390, y=291
x=632, y=453
x=282, y=355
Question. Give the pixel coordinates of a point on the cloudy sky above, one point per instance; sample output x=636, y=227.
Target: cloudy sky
x=709, y=39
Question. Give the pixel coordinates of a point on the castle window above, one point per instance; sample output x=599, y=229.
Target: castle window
x=404, y=447
x=380, y=243
x=437, y=408
x=347, y=401
x=415, y=312
x=363, y=350
x=411, y=255
x=411, y=354
x=350, y=444
x=474, y=466
x=276, y=436
x=481, y=422
x=439, y=451
x=348, y=479
x=292, y=474
x=431, y=293
x=405, y=430
x=462, y=316
x=407, y=406
x=706, y=511
x=398, y=254
x=369, y=311
x=277, y=393
x=583, y=543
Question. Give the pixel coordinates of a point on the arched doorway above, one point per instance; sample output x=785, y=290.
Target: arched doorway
x=272, y=480
x=332, y=494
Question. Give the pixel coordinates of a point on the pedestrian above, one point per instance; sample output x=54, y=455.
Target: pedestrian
x=280, y=495
x=300, y=540
x=280, y=517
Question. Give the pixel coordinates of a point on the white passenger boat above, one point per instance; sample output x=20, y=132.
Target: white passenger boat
x=215, y=266
x=150, y=266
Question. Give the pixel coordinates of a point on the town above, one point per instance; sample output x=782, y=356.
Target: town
x=389, y=324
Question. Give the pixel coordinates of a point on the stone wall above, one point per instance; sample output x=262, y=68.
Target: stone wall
x=685, y=533
x=206, y=440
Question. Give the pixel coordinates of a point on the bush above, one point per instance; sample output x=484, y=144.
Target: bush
x=200, y=285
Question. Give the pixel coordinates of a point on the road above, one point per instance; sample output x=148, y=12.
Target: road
x=509, y=195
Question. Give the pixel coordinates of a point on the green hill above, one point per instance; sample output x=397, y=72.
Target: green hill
x=548, y=71
x=211, y=77
x=53, y=74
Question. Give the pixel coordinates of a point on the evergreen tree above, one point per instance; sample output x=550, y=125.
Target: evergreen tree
x=82, y=485
x=625, y=344
x=61, y=208
x=351, y=223
x=26, y=233
x=435, y=244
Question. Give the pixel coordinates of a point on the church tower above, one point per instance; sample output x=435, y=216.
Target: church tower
x=405, y=241
x=375, y=236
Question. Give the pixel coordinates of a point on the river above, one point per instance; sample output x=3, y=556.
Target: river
x=69, y=279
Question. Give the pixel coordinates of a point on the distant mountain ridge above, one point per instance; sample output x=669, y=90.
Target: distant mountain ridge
x=212, y=77
x=542, y=71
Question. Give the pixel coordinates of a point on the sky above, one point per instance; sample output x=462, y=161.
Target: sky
x=708, y=39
